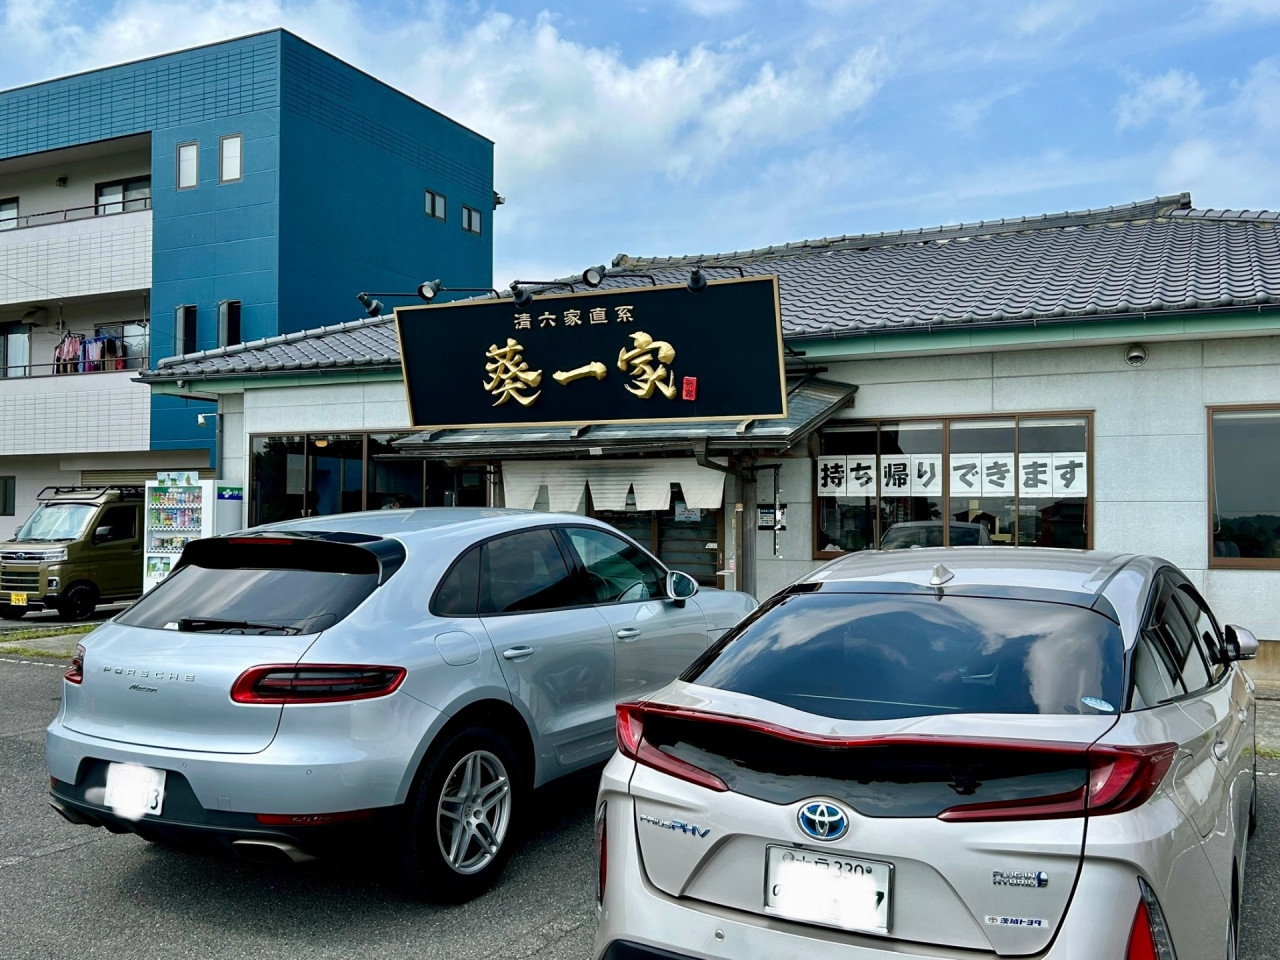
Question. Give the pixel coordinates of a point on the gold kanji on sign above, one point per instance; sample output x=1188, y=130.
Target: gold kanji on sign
x=509, y=375
x=645, y=376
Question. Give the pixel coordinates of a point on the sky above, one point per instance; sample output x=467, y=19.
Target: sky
x=672, y=127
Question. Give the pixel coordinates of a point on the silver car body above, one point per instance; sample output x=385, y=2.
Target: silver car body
x=159, y=698
x=685, y=871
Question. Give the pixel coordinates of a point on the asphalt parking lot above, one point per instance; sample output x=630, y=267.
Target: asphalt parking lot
x=74, y=892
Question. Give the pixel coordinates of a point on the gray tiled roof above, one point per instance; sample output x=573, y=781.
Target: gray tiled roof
x=1156, y=255
x=809, y=404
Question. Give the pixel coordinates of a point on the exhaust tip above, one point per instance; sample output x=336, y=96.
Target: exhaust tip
x=269, y=851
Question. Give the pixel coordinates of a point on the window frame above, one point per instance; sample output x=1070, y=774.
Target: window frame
x=945, y=495
x=12, y=222
x=222, y=158
x=177, y=165
x=180, y=340
x=470, y=215
x=8, y=496
x=429, y=200
x=225, y=323
x=122, y=202
x=1230, y=563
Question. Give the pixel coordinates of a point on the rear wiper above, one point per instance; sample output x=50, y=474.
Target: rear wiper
x=197, y=624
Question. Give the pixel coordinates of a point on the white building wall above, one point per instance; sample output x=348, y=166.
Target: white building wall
x=1150, y=471
x=80, y=258
x=82, y=413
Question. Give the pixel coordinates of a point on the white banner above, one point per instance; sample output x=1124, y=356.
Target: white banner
x=895, y=475
x=926, y=475
x=997, y=475
x=862, y=476
x=1070, y=475
x=831, y=476
x=1035, y=475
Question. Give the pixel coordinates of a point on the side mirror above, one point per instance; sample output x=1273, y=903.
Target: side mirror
x=1241, y=643
x=680, y=586
x=101, y=534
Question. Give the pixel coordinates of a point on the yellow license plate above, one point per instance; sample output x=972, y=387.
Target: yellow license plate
x=17, y=599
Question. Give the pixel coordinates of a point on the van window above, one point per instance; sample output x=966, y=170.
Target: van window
x=121, y=522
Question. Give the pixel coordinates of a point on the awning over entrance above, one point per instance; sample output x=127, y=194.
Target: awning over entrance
x=610, y=480
x=810, y=403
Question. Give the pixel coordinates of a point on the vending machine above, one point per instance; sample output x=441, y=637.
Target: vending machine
x=179, y=509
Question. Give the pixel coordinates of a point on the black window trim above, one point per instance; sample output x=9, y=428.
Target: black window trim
x=1170, y=579
x=430, y=196
x=121, y=182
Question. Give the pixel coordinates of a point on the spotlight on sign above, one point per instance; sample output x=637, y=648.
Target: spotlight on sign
x=522, y=296
x=594, y=276
x=427, y=291
x=697, y=280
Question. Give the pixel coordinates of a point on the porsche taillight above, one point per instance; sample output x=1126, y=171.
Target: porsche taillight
x=76, y=673
x=314, y=683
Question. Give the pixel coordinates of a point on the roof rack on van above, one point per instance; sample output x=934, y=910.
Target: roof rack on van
x=48, y=493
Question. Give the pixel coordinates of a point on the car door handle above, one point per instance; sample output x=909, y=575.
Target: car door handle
x=517, y=653
x=628, y=633
x=1242, y=714
x=1220, y=749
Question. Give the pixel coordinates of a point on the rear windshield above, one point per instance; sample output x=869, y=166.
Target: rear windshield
x=258, y=588
x=860, y=656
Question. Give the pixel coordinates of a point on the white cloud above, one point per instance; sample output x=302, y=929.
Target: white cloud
x=1233, y=9
x=1051, y=16
x=711, y=8
x=1171, y=97
x=966, y=114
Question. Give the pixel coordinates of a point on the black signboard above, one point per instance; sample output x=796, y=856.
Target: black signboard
x=606, y=356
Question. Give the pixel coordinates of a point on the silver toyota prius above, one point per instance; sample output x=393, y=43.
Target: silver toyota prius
x=966, y=752
x=412, y=672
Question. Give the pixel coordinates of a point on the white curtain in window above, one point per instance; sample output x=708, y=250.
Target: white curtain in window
x=651, y=481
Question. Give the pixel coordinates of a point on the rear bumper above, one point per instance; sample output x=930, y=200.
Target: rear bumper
x=640, y=922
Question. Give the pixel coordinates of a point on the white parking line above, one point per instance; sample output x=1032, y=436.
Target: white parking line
x=34, y=663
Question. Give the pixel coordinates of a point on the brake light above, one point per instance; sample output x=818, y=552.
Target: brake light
x=632, y=744
x=314, y=683
x=76, y=673
x=1149, y=937
x=1120, y=779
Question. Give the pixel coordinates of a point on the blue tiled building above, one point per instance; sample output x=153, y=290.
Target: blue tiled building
x=215, y=195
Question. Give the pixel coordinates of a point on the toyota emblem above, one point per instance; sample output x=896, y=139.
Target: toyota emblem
x=823, y=820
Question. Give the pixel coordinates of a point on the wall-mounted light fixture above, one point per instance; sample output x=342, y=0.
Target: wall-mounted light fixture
x=60, y=182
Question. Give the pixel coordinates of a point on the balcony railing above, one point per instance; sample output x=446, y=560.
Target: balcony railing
x=75, y=213
x=65, y=368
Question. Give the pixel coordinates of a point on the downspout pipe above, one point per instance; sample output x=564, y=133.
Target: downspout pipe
x=746, y=477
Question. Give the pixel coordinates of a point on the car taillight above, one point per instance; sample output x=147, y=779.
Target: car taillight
x=632, y=744
x=314, y=683
x=1149, y=937
x=76, y=673
x=602, y=851
x=1120, y=779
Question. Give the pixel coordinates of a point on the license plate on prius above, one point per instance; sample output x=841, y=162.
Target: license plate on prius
x=134, y=791
x=828, y=889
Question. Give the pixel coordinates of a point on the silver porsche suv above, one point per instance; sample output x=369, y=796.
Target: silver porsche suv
x=968, y=752
x=412, y=672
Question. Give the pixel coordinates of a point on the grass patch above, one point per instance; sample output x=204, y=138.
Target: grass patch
x=27, y=653
x=35, y=633
x=1271, y=753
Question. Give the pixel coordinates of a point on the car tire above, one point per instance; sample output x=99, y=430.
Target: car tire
x=78, y=602
x=460, y=820
x=9, y=612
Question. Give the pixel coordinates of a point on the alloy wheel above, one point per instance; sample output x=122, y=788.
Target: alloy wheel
x=474, y=812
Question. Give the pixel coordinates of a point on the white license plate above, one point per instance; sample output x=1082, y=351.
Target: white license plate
x=829, y=889
x=134, y=791
x=17, y=599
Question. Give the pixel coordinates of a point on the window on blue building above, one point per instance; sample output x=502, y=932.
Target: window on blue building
x=435, y=205
x=229, y=166
x=188, y=165
x=184, y=329
x=471, y=220
x=228, y=323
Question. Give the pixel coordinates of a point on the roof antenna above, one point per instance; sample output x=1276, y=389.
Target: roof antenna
x=940, y=576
